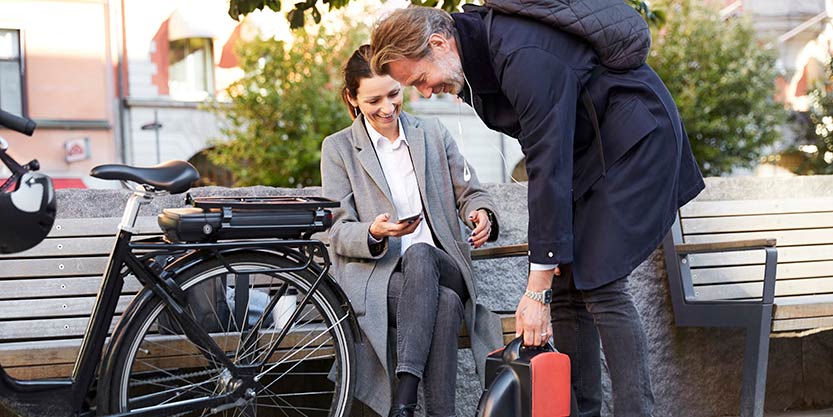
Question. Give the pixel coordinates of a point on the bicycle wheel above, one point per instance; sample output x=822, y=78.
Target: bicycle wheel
x=310, y=372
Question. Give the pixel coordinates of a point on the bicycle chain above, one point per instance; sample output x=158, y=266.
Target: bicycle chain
x=161, y=379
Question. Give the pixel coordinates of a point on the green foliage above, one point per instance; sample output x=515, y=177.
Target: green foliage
x=654, y=17
x=722, y=80
x=297, y=15
x=814, y=149
x=244, y=7
x=283, y=107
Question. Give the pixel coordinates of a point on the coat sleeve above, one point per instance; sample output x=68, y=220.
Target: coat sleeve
x=468, y=195
x=348, y=235
x=546, y=110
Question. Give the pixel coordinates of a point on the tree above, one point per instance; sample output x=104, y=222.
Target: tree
x=297, y=19
x=814, y=141
x=283, y=107
x=722, y=80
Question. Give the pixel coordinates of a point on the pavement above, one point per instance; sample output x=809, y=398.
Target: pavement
x=815, y=413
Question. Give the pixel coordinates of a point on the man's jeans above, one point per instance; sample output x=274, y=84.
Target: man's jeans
x=427, y=318
x=580, y=319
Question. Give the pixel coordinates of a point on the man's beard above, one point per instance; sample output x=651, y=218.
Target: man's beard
x=455, y=79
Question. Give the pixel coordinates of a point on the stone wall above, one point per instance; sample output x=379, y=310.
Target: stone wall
x=696, y=372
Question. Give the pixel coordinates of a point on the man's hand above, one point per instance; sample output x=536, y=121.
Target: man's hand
x=382, y=227
x=482, y=230
x=532, y=321
x=532, y=318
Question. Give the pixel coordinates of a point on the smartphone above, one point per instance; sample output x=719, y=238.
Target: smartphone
x=409, y=219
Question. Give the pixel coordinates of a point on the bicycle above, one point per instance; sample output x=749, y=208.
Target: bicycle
x=242, y=319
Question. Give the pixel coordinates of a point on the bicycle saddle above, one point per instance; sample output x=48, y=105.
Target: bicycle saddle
x=173, y=176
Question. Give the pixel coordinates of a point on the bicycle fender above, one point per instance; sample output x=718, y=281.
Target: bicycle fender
x=188, y=260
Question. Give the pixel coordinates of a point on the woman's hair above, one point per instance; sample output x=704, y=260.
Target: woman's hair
x=355, y=70
x=404, y=35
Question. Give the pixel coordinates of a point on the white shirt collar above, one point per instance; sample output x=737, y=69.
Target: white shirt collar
x=382, y=142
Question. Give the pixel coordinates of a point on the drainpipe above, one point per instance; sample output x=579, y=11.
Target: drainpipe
x=802, y=27
x=117, y=34
x=729, y=10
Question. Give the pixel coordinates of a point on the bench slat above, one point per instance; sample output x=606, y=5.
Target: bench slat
x=30, y=372
x=802, y=324
x=47, y=328
x=500, y=251
x=42, y=359
x=751, y=290
x=104, y=226
x=55, y=267
x=55, y=307
x=785, y=255
x=735, y=245
x=756, y=272
x=69, y=246
x=803, y=306
x=784, y=237
x=58, y=287
x=750, y=207
x=757, y=223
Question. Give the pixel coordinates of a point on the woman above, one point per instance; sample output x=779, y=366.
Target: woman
x=398, y=249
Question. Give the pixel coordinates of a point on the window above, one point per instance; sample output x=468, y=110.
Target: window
x=191, y=69
x=11, y=72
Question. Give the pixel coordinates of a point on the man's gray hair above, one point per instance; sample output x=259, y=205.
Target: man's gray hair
x=404, y=34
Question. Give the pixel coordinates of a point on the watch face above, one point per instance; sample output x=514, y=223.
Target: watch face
x=548, y=296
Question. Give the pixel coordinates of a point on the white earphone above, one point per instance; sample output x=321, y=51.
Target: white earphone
x=466, y=171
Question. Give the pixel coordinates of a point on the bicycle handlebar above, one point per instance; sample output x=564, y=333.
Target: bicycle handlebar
x=17, y=123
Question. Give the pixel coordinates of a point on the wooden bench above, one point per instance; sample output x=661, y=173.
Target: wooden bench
x=724, y=271
x=47, y=294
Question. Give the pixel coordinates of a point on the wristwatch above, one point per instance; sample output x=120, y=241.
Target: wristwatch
x=543, y=297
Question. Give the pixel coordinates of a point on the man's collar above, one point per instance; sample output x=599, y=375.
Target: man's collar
x=475, y=57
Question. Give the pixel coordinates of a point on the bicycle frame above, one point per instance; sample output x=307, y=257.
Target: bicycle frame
x=73, y=391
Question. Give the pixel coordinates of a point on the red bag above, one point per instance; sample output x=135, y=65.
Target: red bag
x=526, y=382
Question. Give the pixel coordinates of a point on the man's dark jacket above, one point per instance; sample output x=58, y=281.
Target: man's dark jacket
x=604, y=218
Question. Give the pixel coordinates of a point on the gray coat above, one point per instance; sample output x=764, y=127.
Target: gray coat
x=352, y=175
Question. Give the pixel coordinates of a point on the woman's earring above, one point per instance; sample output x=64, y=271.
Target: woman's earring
x=356, y=111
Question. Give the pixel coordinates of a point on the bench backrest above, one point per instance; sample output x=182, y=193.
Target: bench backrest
x=47, y=293
x=802, y=227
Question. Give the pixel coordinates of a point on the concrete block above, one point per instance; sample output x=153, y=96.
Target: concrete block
x=696, y=372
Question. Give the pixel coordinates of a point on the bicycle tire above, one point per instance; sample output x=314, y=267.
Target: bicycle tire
x=150, y=367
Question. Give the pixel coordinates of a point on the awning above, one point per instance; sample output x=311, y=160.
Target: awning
x=193, y=20
x=61, y=183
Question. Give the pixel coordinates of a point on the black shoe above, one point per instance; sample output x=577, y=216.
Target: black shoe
x=402, y=410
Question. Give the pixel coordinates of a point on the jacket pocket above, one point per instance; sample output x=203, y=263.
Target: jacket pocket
x=625, y=125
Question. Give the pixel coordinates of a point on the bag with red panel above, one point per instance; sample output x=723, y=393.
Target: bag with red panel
x=526, y=382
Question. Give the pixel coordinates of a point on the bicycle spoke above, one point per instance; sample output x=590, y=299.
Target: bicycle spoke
x=173, y=376
x=294, y=366
x=261, y=356
x=177, y=390
x=296, y=409
x=288, y=360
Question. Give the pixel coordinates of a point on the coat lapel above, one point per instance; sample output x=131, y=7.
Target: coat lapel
x=416, y=145
x=368, y=159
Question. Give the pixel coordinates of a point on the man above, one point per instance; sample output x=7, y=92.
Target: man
x=606, y=174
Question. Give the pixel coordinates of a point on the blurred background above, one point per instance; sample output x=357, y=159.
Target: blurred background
x=249, y=101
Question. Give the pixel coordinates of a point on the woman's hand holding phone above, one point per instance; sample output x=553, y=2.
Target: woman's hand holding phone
x=383, y=227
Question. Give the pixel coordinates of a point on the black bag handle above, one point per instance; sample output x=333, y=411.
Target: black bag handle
x=512, y=351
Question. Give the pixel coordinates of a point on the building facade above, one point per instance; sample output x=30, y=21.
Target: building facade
x=126, y=80
x=56, y=67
